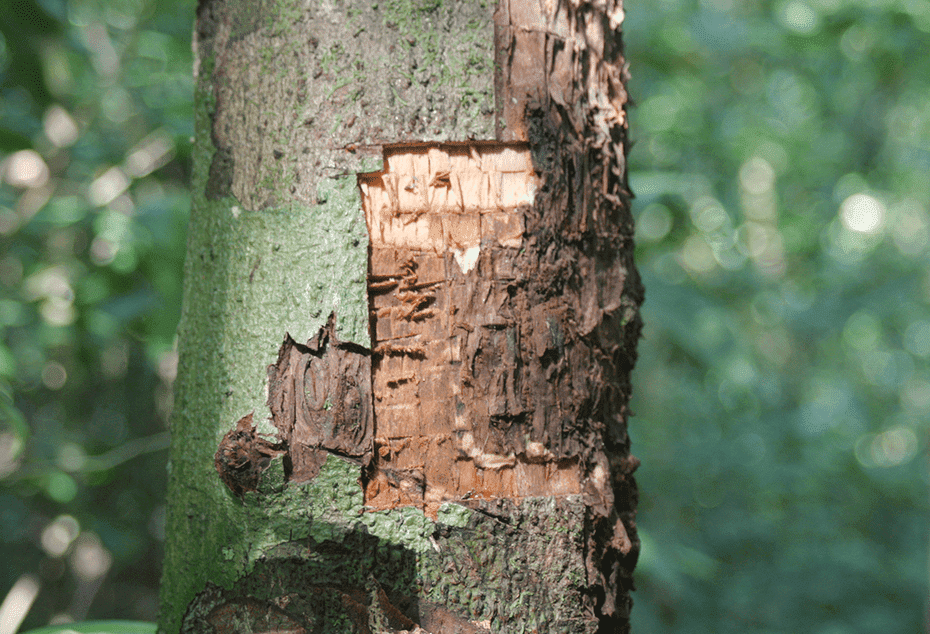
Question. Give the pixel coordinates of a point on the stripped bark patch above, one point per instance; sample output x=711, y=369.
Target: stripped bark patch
x=454, y=331
x=560, y=85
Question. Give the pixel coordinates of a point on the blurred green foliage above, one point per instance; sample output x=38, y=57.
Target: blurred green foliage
x=99, y=627
x=95, y=127
x=781, y=171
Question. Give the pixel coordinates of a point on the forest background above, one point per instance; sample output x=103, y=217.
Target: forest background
x=781, y=166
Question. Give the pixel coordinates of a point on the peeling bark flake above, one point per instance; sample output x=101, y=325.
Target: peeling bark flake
x=319, y=395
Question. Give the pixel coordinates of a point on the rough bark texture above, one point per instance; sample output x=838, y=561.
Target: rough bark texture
x=432, y=196
x=561, y=86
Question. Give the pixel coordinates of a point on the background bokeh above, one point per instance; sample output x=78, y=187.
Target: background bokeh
x=782, y=172
x=95, y=127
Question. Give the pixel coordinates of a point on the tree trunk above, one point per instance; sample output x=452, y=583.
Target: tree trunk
x=410, y=316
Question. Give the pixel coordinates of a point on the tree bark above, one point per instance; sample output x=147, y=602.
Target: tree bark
x=410, y=317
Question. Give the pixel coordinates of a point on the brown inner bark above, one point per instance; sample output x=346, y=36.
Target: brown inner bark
x=447, y=224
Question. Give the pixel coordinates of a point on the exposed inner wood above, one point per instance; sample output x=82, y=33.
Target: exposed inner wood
x=447, y=225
